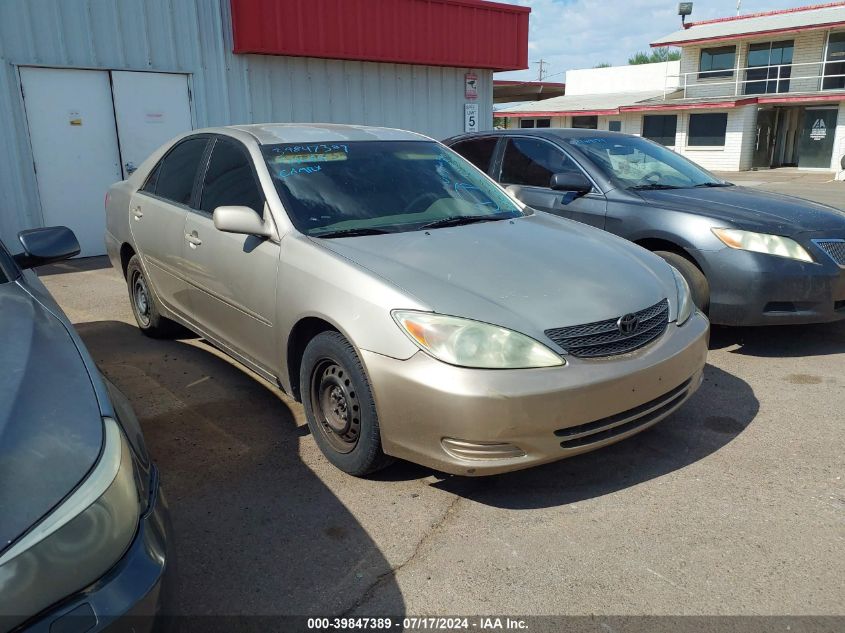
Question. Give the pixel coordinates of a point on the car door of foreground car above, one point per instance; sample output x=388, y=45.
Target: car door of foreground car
x=526, y=169
x=232, y=276
x=157, y=215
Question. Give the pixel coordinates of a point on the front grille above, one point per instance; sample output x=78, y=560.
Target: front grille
x=605, y=338
x=615, y=425
x=835, y=249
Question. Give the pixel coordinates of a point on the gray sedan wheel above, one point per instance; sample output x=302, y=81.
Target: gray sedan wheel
x=339, y=405
x=698, y=284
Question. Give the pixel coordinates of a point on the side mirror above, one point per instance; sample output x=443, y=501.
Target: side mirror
x=242, y=220
x=47, y=245
x=571, y=181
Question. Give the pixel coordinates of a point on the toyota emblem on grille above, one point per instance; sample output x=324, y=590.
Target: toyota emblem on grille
x=628, y=324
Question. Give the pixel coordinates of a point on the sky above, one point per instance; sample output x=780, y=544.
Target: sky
x=572, y=34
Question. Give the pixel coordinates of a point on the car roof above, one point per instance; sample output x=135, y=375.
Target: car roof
x=271, y=133
x=559, y=133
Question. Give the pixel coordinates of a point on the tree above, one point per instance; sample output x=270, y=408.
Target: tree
x=660, y=54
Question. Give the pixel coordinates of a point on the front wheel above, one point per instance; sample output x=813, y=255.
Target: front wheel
x=698, y=284
x=144, y=309
x=339, y=405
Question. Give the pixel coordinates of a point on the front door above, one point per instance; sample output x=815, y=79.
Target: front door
x=764, y=146
x=74, y=147
x=232, y=277
x=815, y=148
x=527, y=168
x=150, y=109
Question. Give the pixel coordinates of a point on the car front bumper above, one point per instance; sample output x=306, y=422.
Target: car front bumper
x=496, y=421
x=755, y=289
x=131, y=595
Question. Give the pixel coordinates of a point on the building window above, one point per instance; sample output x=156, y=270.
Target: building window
x=766, y=72
x=707, y=130
x=717, y=62
x=660, y=128
x=585, y=122
x=529, y=123
x=834, y=68
x=614, y=126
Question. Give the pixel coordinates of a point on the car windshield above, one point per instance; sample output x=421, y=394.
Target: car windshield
x=636, y=163
x=367, y=187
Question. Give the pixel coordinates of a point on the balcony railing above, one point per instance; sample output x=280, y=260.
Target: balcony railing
x=811, y=77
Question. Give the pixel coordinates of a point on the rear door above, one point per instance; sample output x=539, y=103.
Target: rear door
x=157, y=215
x=526, y=170
x=232, y=277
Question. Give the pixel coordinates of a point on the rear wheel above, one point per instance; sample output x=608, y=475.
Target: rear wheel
x=339, y=405
x=698, y=284
x=144, y=309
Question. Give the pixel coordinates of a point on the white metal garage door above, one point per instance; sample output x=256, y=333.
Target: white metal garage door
x=84, y=126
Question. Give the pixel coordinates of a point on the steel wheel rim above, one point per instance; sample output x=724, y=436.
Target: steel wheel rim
x=335, y=405
x=141, y=299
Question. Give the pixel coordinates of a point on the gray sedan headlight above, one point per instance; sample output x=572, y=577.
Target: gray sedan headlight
x=80, y=540
x=763, y=243
x=685, y=303
x=469, y=343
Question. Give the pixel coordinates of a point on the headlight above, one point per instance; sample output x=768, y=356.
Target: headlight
x=79, y=541
x=470, y=343
x=763, y=243
x=685, y=303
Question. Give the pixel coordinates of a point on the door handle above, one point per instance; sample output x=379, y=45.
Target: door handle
x=137, y=213
x=193, y=239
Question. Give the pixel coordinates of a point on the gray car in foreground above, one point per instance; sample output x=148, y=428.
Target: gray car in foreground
x=414, y=308
x=83, y=524
x=750, y=257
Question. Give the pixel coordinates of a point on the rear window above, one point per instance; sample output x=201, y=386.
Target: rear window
x=175, y=179
x=478, y=151
x=7, y=266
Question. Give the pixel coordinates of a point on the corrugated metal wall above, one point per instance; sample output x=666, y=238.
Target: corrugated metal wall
x=195, y=37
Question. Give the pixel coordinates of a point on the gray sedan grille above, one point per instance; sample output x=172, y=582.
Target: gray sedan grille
x=834, y=248
x=606, y=338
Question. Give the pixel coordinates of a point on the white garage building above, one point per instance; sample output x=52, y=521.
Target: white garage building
x=88, y=88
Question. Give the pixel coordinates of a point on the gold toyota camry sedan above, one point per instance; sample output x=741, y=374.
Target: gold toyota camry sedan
x=413, y=307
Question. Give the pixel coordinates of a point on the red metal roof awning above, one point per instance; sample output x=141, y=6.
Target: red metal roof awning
x=460, y=33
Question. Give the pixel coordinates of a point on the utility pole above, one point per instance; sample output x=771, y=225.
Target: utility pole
x=541, y=73
x=738, y=6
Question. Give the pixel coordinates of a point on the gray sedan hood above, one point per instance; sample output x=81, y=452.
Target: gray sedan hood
x=529, y=274
x=51, y=430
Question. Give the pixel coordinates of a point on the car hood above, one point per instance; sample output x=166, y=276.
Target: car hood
x=529, y=274
x=752, y=209
x=51, y=430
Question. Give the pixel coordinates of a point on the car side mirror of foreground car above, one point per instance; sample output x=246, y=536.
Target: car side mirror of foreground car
x=47, y=245
x=242, y=220
x=571, y=181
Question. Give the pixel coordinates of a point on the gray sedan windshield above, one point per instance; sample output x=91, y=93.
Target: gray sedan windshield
x=636, y=163
x=361, y=187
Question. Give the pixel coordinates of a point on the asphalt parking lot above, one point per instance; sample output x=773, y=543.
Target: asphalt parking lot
x=734, y=505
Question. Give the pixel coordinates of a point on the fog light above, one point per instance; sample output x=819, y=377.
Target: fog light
x=462, y=449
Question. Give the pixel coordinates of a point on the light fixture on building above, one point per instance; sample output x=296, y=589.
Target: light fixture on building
x=684, y=9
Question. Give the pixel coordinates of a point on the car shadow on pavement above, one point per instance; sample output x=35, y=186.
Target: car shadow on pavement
x=718, y=412
x=255, y=531
x=783, y=341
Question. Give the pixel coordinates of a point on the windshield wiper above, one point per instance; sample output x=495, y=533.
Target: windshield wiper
x=352, y=232
x=460, y=220
x=714, y=184
x=653, y=186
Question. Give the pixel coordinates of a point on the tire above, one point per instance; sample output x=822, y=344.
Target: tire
x=698, y=284
x=339, y=405
x=144, y=308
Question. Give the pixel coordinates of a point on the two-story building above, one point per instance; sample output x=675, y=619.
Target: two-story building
x=751, y=91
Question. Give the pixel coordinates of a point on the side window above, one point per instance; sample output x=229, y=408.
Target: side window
x=229, y=180
x=178, y=170
x=152, y=179
x=477, y=151
x=532, y=162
